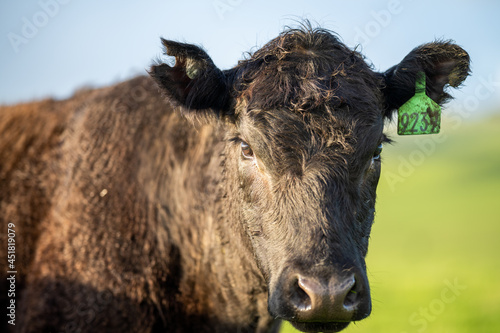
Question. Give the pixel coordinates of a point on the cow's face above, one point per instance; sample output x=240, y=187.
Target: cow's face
x=304, y=118
x=307, y=198
x=307, y=141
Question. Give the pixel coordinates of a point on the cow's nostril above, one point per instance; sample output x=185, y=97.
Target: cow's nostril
x=299, y=298
x=351, y=298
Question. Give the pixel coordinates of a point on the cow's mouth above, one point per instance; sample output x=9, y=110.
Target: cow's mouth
x=320, y=327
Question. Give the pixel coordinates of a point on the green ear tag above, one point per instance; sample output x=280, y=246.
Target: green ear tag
x=420, y=114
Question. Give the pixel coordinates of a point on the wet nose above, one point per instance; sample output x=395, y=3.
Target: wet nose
x=339, y=298
x=315, y=301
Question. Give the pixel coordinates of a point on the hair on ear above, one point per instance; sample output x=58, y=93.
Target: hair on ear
x=193, y=82
x=444, y=64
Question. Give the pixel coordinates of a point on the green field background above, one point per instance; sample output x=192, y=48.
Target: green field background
x=434, y=257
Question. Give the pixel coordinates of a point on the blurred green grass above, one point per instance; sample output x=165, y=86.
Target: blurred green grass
x=437, y=224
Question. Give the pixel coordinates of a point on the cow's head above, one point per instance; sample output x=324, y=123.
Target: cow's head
x=304, y=118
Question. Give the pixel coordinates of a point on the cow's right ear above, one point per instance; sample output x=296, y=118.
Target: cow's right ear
x=194, y=81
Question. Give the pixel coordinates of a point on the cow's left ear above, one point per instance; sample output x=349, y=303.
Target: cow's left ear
x=194, y=82
x=444, y=64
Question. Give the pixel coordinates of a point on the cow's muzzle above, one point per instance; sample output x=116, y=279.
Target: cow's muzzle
x=323, y=300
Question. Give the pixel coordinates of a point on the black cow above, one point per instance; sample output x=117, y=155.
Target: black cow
x=237, y=199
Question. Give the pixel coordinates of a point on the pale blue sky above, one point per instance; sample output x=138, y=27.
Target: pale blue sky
x=52, y=47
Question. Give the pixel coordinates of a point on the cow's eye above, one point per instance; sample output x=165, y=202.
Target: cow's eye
x=246, y=151
x=378, y=151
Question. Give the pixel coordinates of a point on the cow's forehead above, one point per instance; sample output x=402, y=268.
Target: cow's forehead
x=305, y=95
x=289, y=142
x=311, y=73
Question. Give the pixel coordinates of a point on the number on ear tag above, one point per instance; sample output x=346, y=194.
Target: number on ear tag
x=420, y=114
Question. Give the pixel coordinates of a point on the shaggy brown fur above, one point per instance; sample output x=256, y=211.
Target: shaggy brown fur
x=130, y=218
